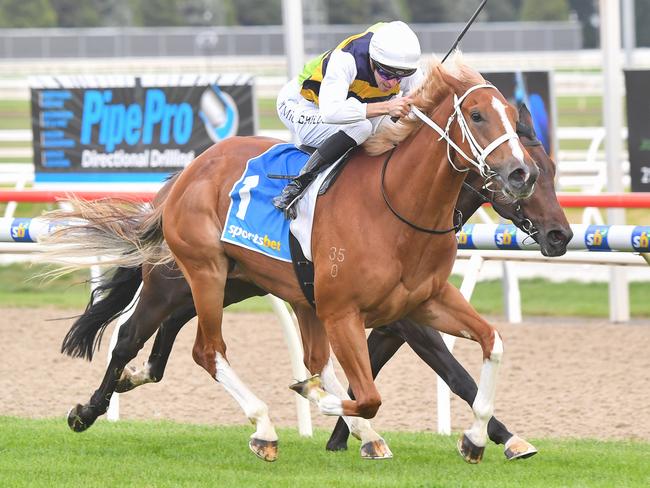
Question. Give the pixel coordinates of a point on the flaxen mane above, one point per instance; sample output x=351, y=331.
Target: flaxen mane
x=426, y=97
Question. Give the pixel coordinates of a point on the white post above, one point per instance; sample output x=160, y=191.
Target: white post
x=293, y=36
x=443, y=394
x=629, y=32
x=610, y=42
x=511, y=293
x=297, y=365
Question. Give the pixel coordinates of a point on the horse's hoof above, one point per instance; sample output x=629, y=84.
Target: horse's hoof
x=518, y=448
x=334, y=445
x=80, y=418
x=376, y=450
x=304, y=387
x=469, y=451
x=125, y=384
x=266, y=450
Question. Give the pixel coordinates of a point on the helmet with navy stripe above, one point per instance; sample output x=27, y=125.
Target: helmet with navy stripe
x=395, y=48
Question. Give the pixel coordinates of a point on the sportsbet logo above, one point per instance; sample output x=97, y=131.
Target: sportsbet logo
x=464, y=237
x=596, y=238
x=263, y=241
x=505, y=237
x=640, y=239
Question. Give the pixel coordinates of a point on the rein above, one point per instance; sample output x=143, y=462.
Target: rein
x=459, y=216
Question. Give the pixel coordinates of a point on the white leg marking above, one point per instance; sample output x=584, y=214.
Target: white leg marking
x=254, y=408
x=483, y=405
x=359, y=427
x=327, y=403
x=137, y=377
x=501, y=110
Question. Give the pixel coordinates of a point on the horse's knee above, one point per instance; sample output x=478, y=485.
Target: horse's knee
x=369, y=406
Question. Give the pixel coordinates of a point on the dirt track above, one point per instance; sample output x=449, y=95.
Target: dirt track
x=561, y=378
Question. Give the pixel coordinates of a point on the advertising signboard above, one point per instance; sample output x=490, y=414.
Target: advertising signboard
x=129, y=131
x=638, y=126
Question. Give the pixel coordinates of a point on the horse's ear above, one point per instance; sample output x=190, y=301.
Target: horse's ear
x=524, y=115
x=453, y=82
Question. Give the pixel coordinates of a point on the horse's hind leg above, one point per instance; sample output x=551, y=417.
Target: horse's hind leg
x=202, y=259
x=132, y=336
x=154, y=368
x=176, y=288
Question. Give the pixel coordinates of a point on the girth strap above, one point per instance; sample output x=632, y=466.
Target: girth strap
x=303, y=268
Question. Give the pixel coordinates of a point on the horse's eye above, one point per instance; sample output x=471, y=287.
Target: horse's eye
x=476, y=116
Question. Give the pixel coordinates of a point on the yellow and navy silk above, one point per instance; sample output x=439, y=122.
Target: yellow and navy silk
x=364, y=87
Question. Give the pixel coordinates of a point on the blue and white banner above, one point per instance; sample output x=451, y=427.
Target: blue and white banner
x=599, y=238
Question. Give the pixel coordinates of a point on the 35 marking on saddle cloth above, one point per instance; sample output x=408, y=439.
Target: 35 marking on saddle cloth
x=253, y=222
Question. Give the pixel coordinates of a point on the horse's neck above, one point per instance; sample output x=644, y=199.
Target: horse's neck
x=429, y=185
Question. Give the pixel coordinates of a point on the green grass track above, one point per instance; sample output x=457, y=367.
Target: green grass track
x=35, y=453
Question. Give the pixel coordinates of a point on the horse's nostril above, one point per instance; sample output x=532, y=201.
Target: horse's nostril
x=557, y=237
x=517, y=178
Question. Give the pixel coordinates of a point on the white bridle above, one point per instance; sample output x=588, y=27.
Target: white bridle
x=480, y=154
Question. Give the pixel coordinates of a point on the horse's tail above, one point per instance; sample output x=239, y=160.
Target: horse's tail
x=117, y=232
x=107, y=302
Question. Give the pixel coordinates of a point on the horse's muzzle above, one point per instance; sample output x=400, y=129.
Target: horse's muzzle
x=520, y=179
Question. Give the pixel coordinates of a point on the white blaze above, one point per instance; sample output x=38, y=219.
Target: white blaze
x=513, y=143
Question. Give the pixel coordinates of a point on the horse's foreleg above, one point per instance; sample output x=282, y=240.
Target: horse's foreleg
x=449, y=312
x=348, y=341
x=382, y=345
x=430, y=347
x=373, y=446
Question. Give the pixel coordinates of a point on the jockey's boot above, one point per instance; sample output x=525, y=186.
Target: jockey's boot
x=328, y=153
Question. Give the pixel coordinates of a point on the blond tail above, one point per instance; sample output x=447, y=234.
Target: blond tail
x=110, y=231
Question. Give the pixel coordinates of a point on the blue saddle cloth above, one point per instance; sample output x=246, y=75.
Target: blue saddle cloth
x=253, y=222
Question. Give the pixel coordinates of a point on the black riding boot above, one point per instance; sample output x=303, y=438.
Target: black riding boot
x=328, y=153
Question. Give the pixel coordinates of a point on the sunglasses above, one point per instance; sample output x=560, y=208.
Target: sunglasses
x=388, y=73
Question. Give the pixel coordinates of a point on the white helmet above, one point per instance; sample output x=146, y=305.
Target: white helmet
x=395, y=45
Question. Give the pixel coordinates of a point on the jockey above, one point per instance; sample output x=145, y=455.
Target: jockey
x=342, y=96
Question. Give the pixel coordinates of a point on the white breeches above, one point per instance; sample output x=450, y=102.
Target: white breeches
x=303, y=119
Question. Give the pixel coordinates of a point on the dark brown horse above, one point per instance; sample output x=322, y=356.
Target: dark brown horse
x=415, y=265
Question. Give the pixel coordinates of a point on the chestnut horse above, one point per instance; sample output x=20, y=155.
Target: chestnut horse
x=541, y=216
x=415, y=265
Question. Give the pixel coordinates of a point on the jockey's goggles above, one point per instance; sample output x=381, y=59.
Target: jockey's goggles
x=389, y=73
